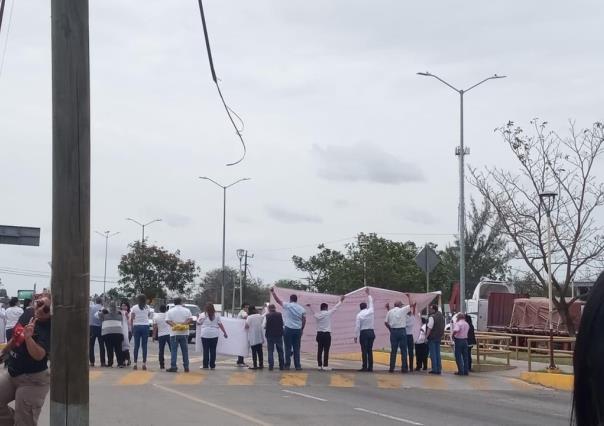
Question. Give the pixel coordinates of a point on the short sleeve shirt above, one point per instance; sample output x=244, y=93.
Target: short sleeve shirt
x=163, y=328
x=178, y=314
x=21, y=362
x=292, y=315
x=141, y=316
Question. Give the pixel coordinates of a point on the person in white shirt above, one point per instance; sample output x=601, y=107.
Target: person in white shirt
x=210, y=330
x=421, y=347
x=161, y=333
x=364, y=332
x=324, y=332
x=140, y=314
x=2, y=324
x=253, y=325
x=242, y=315
x=179, y=318
x=396, y=321
x=11, y=316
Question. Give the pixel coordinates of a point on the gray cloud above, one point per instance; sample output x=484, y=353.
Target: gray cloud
x=415, y=215
x=363, y=162
x=176, y=220
x=341, y=203
x=288, y=216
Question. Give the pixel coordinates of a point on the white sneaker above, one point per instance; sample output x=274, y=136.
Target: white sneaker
x=320, y=368
x=327, y=368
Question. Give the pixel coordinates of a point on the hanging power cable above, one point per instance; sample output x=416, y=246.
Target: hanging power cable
x=229, y=110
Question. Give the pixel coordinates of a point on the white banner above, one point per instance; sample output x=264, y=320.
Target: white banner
x=237, y=342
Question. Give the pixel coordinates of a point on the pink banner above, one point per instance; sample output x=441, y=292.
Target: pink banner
x=343, y=320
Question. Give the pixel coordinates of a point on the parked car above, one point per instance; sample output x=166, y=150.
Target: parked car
x=195, y=311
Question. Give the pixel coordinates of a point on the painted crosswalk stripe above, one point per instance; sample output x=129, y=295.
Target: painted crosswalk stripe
x=93, y=375
x=242, y=379
x=387, y=416
x=436, y=382
x=188, y=379
x=342, y=380
x=136, y=378
x=293, y=379
x=389, y=382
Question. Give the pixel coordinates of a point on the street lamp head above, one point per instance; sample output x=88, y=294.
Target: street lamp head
x=499, y=76
x=240, y=253
x=546, y=195
x=425, y=74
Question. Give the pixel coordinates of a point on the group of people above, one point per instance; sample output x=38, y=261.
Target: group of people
x=9, y=316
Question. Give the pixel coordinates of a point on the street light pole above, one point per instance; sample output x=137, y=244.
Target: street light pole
x=240, y=254
x=106, y=235
x=461, y=152
x=548, y=199
x=224, y=189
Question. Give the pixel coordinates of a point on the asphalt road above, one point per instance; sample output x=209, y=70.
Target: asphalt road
x=234, y=396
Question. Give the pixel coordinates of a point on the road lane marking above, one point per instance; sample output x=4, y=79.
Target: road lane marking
x=316, y=398
x=294, y=379
x=93, y=375
x=136, y=378
x=342, y=381
x=242, y=379
x=188, y=379
x=389, y=382
x=215, y=406
x=387, y=416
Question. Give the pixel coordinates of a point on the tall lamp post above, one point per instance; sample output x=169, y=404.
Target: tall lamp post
x=143, y=226
x=224, y=189
x=106, y=235
x=461, y=152
x=240, y=254
x=548, y=200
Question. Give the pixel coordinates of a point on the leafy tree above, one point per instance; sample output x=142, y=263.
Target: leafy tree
x=293, y=284
x=567, y=165
x=154, y=271
x=487, y=252
x=210, y=289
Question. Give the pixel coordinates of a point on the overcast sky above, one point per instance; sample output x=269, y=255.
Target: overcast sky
x=343, y=136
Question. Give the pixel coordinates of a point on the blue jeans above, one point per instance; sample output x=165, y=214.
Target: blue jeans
x=461, y=356
x=141, y=336
x=181, y=341
x=271, y=343
x=434, y=348
x=291, y=338
x=398, y=339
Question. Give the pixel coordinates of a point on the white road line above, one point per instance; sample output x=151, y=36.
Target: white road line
x=398, y=419
x=216, y=406
x=316, y=398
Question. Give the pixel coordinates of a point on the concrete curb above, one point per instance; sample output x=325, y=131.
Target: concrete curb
x=562, y=382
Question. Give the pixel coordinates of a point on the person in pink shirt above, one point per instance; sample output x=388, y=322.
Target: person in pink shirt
x=460, y=339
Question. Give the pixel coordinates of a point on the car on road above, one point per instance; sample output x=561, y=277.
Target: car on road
x=195, y=311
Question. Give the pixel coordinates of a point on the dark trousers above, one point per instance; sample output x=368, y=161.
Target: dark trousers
x=113, y=344
x=291, y=338
x=163, y=342
x=323, y=345
x=257, y=357
x=209, y=351
x=421, y=355
x=461, y=356
x=470, y=357
x=366, y=339
x=271, y=344
x=410, y=347
x=9, y=334
x=95, y=334
x=398, y=340
x=434, y=349
x=240, y=360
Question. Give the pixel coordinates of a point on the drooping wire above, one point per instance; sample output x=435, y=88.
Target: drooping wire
x=229, y=110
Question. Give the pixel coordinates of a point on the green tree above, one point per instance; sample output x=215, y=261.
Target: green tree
x=153, y=271
x=293, y=284
x=210, y=288
x=487, y=252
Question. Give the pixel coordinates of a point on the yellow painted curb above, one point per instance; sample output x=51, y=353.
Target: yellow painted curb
x=384, y=358
x=551, y=380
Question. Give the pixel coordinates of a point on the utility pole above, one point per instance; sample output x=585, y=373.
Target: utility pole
x=106, y=235
x=245, y=265
x=70, y=282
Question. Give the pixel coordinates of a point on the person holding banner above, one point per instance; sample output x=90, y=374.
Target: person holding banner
x=294, y=321
x=324, y=332
x=364, y=332
x=273, y=324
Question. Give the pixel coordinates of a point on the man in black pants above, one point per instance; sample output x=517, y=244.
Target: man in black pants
x=364, y=332
x=324, y=333
x=96, y=332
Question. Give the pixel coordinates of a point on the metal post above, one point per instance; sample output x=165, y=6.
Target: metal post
x=462, y=211
x=240, y=285
x=244, y=273
x=552, y=365
x=223, y=245
x=105, y=274
x=427, y=272
x=70, y=282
